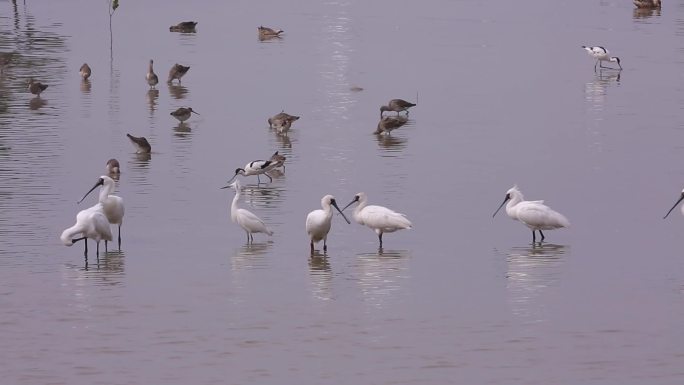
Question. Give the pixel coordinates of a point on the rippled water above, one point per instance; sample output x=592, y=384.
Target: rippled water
x=505, y=95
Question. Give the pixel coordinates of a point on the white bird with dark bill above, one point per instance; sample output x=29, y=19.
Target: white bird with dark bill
x=245, y=218
x=396, y=105
x=378, y=218
x=113, y=166
x=183, y=113
x=257, y=167
x=318, y=222
x=601, y=54
x=681, y=198
x=112, y=205
x=90, y=223
x=533, y=214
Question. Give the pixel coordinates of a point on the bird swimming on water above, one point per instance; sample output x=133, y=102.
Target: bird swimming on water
x=396, y=105
x=601, y=54
x=183, y=113
x=533, y=214
x=141, y=144
x=177, y=72
x=85, y=71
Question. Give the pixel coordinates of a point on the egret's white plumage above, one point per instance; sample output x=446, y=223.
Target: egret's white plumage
x=245, y=218
x=257, y=167
x=318, y=222
x=90, y=223
x=112, y=205
x=601, y=54
x=681, y=198
x=533, y=214
x=378, y=218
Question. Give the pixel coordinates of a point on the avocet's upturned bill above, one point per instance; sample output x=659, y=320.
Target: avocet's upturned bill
x=533, y=214
x=601, y=54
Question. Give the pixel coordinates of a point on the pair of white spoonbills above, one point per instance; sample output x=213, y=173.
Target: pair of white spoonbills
x=318, y=222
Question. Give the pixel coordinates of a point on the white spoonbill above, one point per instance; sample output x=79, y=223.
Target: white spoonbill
x=257, y=167
x=380, y=219
x=112, y=205
x=601, y=54
x=245, y=218
x=318, y=222
x=533, y=214
x=681, y=198
x=90, y=223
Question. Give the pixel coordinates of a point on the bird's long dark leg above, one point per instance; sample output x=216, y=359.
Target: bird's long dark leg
x=247, y=232
x=106, y=251
x=380, y=238
x=325, y=245
x=269, y=178
x=97, y=249
x=595, y=64
x=119, y=236
x=542, y=234
x=534, y=239
x=312, y=248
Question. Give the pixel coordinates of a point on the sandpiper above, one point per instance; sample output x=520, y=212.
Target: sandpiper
x=177, y=72
x=396, y=105
x=184, y=26
x=35, y=87
x=85, y=71
x=141, y=144
x=151, y=77
x=183, y=113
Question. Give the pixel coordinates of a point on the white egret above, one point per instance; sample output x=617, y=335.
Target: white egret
x=318, y=222
x=245, y=218
x=112, y=205
x=601, y=54
x=533, y=214
x=90, y=223
x=380, y=219
x=396, y=105
x=681, y=198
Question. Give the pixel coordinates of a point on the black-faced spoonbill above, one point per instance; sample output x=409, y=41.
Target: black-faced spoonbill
x=318, y=222
x=183, y=113
x=601, y=54
x=177, y=72
x=378, y=218
x=396, y=105
x=533, y=214
x=151, y=77
x=245, y=218
x=35, y=87
x=184, y=26
x=113, y=167
x=257, y=167
x=112, y=205
x=681, y=198
x=85, y=71
x=90, y=223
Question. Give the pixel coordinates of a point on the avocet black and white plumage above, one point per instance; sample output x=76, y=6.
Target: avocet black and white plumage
x=601, y=54
x=256, y=167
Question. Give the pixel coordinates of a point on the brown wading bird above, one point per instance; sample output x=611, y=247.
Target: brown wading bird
x=278, y=160
x=151, y=77
x=177, y=72
x=35, y=87
x=647, y=4
x=396, y=105
x=184, y=26
x=113, y=166
x=282, y=121
x=269, y=33
x=183, y=113
x=85, y=71
x=141, y=144
x=389, y=123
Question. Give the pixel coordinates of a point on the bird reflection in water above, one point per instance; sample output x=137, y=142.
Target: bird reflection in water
x=177, y=91
x=532, y=272
x=645, y=13
x=182, y=130
x=85, y=86
x=37, y=103
x=596, y=90
x=382, y=274
x=320, y=273
x=152, y=95
x=262, y=197
x=250, y=256
x=109, y=267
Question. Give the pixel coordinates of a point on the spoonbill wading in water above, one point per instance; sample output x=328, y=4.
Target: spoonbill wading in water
x=681, y=198
x=378, y=218
x=245, y=218
x=90, y=223
x=318, y=222
x=533, y=214
x=112, y=205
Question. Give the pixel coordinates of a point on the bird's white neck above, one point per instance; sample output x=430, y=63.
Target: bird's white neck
x=234, y=206
x=516, y=197
x=68, y=234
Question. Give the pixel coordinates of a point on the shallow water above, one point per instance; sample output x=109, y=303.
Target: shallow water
x=505, y=95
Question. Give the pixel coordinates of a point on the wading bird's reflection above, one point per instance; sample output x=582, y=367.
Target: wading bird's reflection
x=382, y=274
x=531, y=272
x=37, y=103
x=152, y=95
x=85, y=86
x=177, y=91
x=250, y=256
x=320, y=273
x=645, y=13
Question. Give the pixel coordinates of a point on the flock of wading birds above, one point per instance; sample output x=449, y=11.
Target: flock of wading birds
x=95, y=222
